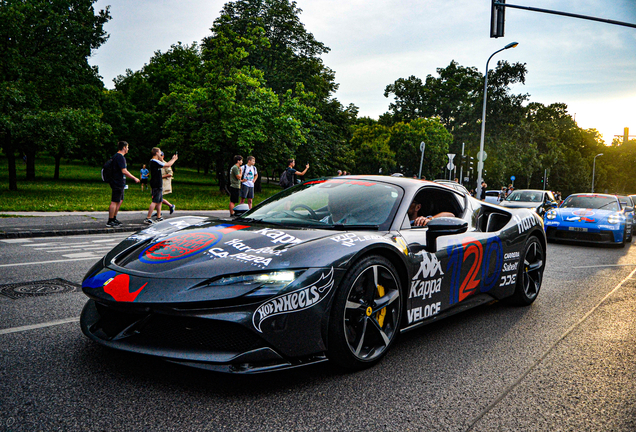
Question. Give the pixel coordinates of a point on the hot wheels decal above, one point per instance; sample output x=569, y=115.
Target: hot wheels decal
x=179, y=247
x=295, y=301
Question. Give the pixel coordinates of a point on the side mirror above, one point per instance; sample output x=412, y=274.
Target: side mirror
x=629, y=209
x=441, y=227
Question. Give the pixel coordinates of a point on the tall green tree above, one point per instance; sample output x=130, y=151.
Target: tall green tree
x=44, y=46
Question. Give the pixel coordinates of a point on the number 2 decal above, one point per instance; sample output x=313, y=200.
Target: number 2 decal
x=472, y=251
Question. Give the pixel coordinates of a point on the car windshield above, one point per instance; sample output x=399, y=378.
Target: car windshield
x=591, y=202
x=332, y=203
x=625, y=201
x=525, y=196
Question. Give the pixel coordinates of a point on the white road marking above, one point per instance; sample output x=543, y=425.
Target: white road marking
x=605, y=265
x=37, y=326
x=81, y=255
x=48, y=262
x=19, y=240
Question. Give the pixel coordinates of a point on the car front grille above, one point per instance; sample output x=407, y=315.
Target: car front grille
x=603, y=236
x=160, y=331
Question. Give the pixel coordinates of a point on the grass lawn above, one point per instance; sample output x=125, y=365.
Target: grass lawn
x=80, y=188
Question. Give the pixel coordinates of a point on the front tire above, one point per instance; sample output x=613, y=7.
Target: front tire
x=530, y=273
x=365, y=317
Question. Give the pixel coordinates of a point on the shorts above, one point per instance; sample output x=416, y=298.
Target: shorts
x=157, y=195
x=144, y=181
x=117, y=194
x=234, y=194
x=247, y=192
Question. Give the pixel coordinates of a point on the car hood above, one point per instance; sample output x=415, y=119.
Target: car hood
x=583, y=215
x=209, y=247
x=175, y=261
x=520, y=204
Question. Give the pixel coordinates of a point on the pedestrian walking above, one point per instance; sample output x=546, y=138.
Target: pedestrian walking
x=118, y=183
x=248, y=177
x=167, y=175
x=235, y=182
x=144, y=176
x=156, y=183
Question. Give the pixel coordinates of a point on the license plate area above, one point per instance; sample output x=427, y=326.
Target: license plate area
x=579, y=229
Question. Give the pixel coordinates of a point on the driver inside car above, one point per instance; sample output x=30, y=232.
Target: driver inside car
x=421, y=221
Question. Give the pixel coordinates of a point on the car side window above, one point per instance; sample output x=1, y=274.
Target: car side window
x=433, y=201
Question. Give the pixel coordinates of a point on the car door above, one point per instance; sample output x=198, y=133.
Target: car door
x=456, y=267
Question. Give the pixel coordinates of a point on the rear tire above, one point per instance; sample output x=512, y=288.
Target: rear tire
x=366, y=313
x=530, y=273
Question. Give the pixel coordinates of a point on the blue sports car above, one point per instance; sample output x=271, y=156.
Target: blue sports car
x=593, y=218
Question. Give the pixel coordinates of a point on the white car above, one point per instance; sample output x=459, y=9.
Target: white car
x=491, y=196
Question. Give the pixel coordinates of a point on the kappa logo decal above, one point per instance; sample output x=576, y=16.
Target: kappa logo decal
x=429, y=267
x=295, y=301
x=179, y=247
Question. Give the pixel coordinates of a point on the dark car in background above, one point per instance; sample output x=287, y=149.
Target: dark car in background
x=540, y=201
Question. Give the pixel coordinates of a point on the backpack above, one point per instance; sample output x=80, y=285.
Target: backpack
x=107, y=170
x=285, y=181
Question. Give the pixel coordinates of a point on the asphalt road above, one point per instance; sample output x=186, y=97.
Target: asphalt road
x=565, y=363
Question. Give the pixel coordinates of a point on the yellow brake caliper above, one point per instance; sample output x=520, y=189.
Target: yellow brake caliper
x=382, y=313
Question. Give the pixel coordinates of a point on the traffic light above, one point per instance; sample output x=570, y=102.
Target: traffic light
x=497, y=17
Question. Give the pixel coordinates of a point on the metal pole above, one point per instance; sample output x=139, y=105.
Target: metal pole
x=422, y=148
x=594, y=169
x=461, y=168
x=545, y=173
x=480, y=164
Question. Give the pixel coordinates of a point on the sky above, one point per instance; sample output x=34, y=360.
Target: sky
x=590, y=66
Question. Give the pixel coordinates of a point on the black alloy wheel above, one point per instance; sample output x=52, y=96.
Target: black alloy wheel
x=530, y=273
x=366, y=313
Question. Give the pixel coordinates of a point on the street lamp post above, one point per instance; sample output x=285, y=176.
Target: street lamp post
x=594, y=169
x=480, y=163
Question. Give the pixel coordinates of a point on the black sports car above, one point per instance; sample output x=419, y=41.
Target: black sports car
x=331, y=269
x=538, y=200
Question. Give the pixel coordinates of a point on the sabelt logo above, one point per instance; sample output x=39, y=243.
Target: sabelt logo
x=510, y=267
x=295, y=301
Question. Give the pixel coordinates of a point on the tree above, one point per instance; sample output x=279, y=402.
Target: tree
x=405, y=141
x=372, y=153
x=44, y=50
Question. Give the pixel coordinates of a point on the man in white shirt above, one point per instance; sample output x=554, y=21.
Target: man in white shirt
x=248, y=177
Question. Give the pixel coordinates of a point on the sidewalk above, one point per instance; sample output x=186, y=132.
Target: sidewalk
x=47, y=224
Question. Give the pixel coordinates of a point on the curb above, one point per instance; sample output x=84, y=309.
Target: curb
x=53, y=233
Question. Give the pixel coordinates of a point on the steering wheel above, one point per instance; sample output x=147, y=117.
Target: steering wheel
x=306, y=207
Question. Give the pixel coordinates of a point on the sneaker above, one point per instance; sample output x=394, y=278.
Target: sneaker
x=159, y=219
x=111, y=224
x=148, y=221
x=172, y=208
x=117, y=223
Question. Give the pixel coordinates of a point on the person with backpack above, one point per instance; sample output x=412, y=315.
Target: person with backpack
x=235, y=182
x=156, y=183
x=117, y=180
x=249, y=176
x=288, y=178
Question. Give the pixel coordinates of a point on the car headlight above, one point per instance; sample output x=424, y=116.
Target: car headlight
x=551, y=214
x=263, y=284
x=615, y=219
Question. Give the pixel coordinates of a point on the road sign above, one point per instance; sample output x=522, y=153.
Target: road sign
x=422, y=146
x=481, y=156
x=513, y=178
x=450, y=166
x=451, y=156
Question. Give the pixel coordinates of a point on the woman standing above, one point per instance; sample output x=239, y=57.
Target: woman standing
x=167, y=175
